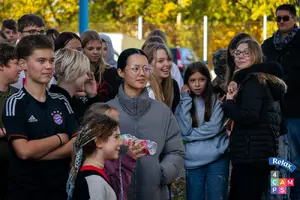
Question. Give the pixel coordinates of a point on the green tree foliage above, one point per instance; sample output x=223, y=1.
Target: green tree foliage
x=56, y=13
x=226, y=17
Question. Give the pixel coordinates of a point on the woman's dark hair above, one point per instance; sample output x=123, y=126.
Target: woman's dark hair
x=52, y=34
x=230, y=60
x=62, y=40
x=207, y=94
x=122, y=60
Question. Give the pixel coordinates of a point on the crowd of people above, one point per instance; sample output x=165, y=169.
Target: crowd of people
x=65, y=102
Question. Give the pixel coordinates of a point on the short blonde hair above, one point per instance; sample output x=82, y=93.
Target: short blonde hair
x=70, y=64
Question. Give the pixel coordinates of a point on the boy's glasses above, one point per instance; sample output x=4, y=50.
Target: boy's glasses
x=285, y=18
x=137, y=69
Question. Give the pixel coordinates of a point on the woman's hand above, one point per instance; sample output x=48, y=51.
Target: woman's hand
x=91, y=86
x=232, y=87
x=185, y=88
x=134, y=151
x=231, y=96
x=2, y=132
x=232, y=90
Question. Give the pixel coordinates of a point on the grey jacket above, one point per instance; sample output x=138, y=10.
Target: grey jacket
x=149, y=119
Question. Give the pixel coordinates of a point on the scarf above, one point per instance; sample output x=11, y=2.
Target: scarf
x=280, y=42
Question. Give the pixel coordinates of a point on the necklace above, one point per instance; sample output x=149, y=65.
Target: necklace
x=3, y=95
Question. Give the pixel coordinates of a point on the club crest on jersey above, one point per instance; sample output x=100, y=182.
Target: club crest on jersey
x=57, y=117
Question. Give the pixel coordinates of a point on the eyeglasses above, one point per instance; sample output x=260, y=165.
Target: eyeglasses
x=285, y=18
x=35, y=32
x=137, y=69
x=243, y=53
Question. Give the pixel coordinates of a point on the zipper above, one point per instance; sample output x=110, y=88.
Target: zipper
x=135, y=133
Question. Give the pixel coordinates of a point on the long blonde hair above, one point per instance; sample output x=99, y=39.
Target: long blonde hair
x=163, y=92
x=100, y=66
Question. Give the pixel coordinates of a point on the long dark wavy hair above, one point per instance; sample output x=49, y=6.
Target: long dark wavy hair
x=207, y=95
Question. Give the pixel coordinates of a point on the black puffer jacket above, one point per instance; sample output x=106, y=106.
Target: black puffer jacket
x=256, y=112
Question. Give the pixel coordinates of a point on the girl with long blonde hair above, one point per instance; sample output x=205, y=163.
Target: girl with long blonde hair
x=106, y=76
x=161, y=86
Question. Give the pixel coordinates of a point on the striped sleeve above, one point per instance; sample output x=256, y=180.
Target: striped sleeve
x=64, y=99
x=13, y=118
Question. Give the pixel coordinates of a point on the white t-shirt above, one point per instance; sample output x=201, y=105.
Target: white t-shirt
x=176, y=75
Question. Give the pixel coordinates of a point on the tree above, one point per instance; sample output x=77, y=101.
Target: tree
x=56, y=13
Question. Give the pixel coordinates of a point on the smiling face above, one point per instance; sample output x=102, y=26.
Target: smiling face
x=111, y=147
x=243, y=58
x=161, y=64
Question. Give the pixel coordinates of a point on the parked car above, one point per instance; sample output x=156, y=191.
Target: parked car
x=182, y=57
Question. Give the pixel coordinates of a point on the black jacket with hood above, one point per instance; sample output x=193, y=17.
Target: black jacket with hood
x=256, y=112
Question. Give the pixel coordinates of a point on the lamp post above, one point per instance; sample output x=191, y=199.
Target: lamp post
x=83, y=15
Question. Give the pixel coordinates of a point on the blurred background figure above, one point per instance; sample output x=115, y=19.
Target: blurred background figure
x=9, y=28
x=52, y=34
x=220, y=68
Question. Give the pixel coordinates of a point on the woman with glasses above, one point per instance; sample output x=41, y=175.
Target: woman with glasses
x=230, y=58
x=253, y=101
x=106, y=76
x=147, y=119
x=162, y=86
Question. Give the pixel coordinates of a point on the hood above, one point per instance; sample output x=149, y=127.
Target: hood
x=110, y=51
x=269, y=74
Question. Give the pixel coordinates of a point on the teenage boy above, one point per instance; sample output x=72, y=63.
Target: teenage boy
x=9, y=28
x=29, y=24
x=40, y=128
x=9, y=73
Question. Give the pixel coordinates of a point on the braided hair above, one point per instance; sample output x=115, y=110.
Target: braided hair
x=99, y=127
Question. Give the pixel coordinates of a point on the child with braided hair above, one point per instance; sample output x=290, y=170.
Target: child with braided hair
x=98, y=140
x=118, y=171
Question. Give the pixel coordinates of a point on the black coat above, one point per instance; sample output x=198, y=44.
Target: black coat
x=289, y=59
x=256, y=112
x=78, y=104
